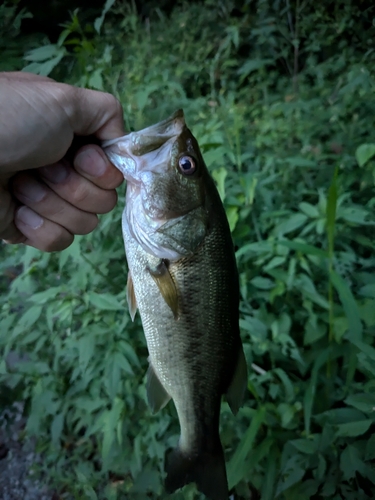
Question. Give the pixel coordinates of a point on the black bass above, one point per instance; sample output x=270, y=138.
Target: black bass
x=183, y=279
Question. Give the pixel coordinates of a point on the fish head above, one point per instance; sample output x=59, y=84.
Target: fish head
x=165, y=174
x=163, y=165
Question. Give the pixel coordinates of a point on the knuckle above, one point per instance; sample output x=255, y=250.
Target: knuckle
x=80, y=195
x=112, y=101
x=114, y=106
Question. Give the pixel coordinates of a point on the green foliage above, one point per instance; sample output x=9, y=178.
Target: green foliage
x=12, y=43
x=281, y=99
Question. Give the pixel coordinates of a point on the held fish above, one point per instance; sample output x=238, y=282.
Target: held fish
x=183, y=279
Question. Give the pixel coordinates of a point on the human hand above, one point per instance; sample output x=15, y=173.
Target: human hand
x=46, y=197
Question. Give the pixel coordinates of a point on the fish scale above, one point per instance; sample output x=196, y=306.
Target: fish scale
x=189, y=304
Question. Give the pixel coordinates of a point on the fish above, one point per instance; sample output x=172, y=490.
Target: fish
x=183, y=279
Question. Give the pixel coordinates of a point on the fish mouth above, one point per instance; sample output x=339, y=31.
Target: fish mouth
x=125, y=152
x=149, y=138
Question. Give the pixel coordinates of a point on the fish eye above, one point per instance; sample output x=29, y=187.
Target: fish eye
x=187, y=165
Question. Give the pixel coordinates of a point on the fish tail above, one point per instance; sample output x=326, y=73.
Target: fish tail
x=206, y=469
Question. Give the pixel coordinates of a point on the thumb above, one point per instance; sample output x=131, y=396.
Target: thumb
x=95, y=113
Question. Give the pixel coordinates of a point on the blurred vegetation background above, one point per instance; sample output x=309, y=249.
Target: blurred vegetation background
x=281, y=97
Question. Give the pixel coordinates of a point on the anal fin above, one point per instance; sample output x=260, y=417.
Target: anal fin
x=130, y=296
x=166, y=285
x=157, y=396
x=237, y=387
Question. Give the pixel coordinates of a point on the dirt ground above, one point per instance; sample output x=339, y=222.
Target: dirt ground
x=16, y=460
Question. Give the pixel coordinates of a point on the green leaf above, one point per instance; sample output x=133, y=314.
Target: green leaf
x=338, y=416
x=104, y=301
x=364, y=402
x=95, y=80
x=86, y=347
x=350, y=462
x=309, y=210
x=110, y=420
x=305, y=285
x=308, y=400
x=350, y=306
x=148, y=480
x=246, y=444
x=119, y=359
x=45, y=68
x=286, y=413
x=220, y=175
x=313, y=331
x=331, y=213
x=42, y=53
x=299, y=161
x=291, y=474
x=367, y=349
x=305, y=445
x=232, y=216
x=3, y=369
x=291, y=224
x=368, y=290
x=367, y=311
x=262, y=283
x=254, y=326
x=255, y=248
x=304, y=248
x=364, y=153
x=99, y=20
x=89, y=492
x=46, y=295
x=129, y=352
x=80, y=476
x=370, y=448
x=253, y=65
x=256, y=456
x=213, y=156
x=288, y=386
x=356, y=215
x=270, y=475
x=353, y=429
x=57, y=427
x=30, y=317
x=275, y=262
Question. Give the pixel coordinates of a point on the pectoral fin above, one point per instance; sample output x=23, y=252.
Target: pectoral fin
x=166, y=285
x=237, y=387
x=130, y=296
x=157, y=396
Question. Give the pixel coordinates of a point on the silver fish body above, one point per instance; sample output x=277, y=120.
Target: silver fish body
x=183, y=279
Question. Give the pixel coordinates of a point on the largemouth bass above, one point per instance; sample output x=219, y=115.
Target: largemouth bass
x=183, y=279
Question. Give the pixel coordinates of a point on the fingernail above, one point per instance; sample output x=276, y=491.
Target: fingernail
x=55, y=173
x=31, y=190
x=91, y=162
x=28, y=217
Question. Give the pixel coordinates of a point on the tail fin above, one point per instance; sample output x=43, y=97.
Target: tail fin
x=207, y=470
